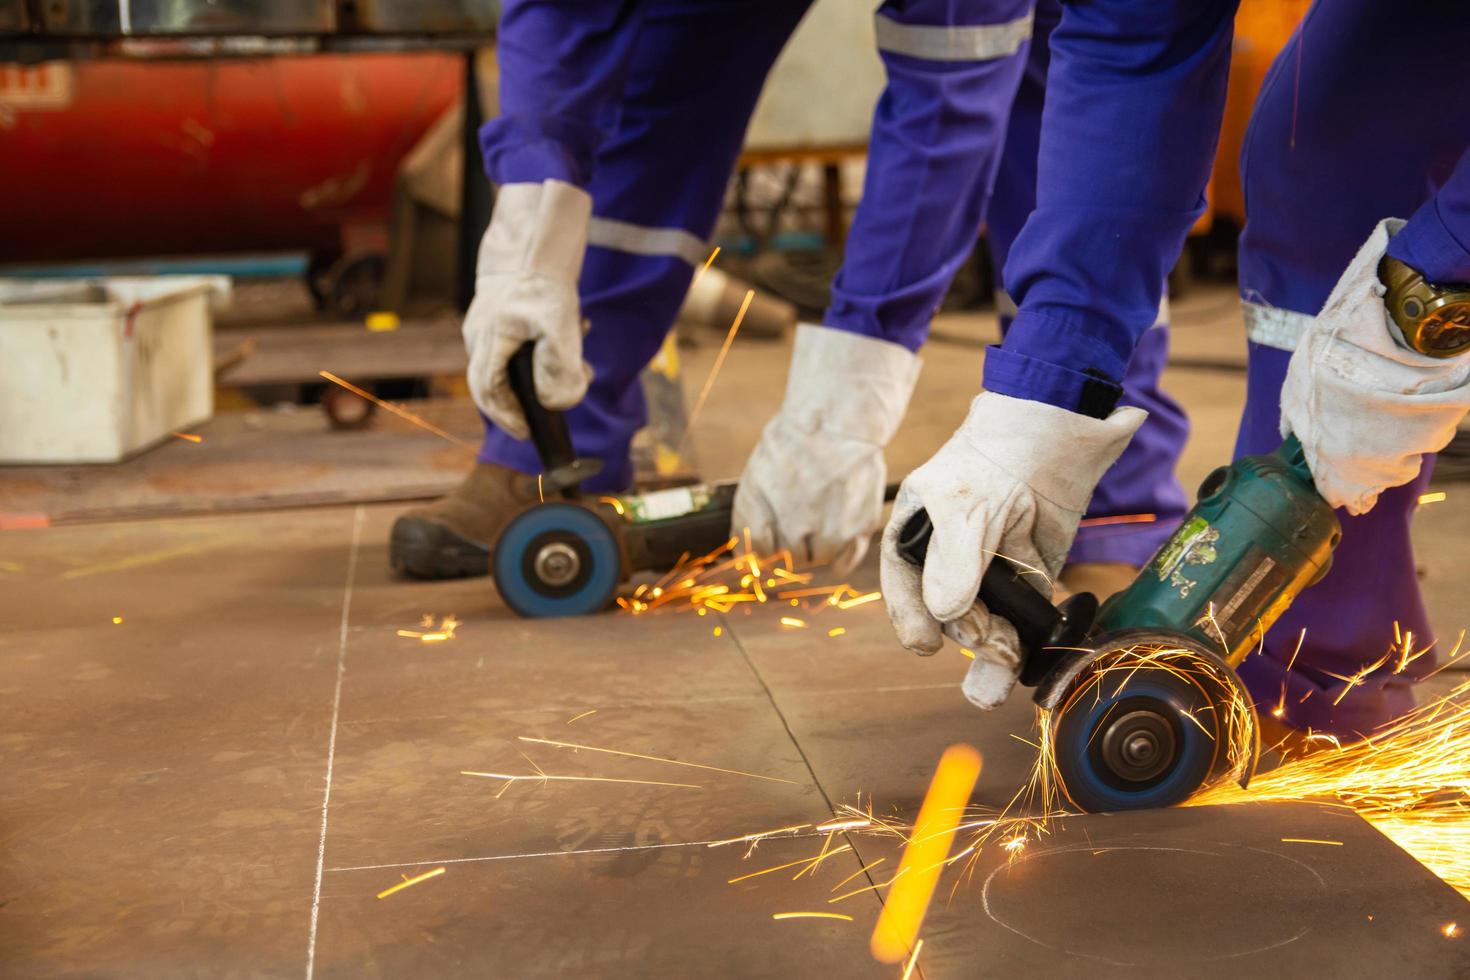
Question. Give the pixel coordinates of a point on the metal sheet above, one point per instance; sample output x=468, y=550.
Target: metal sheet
x=163, y=776
x=166, y=784
x=1210, y=892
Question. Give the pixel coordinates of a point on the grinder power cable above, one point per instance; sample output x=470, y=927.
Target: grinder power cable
x=1145, y=706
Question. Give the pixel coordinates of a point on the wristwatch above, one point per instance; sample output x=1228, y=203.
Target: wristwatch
x=1434, y=319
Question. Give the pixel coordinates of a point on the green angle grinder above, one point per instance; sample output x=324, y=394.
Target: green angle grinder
x=1144, y=706
x=567, y=555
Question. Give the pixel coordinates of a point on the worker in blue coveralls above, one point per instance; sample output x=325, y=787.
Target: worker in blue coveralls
x=1358, y=122
x=620, y=125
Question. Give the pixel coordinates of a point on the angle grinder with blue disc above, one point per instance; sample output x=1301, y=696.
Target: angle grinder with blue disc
x=567, y=555
x=1144, y=708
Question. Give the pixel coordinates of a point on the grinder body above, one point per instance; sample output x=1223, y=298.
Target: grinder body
x=1258, y=535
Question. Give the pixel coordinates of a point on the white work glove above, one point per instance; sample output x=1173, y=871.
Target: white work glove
x=815, y=481
x=526, y=289
x=1365, y=406
x=1014, y=480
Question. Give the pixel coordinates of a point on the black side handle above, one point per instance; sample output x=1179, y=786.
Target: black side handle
x=548, y=429
x=1040, y=625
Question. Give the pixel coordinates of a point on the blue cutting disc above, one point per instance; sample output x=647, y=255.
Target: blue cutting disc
x=537, y=549
x=1123, y=742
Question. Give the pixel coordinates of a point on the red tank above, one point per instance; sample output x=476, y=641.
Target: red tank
x=113, y=159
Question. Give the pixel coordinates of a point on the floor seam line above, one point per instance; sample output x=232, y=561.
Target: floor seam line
x=771, y=696
x=321, y=851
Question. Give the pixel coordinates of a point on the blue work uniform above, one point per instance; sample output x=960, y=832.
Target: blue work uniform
x=954, y=144
x=646, y=103
x=1357, y=121
x=1362, y=121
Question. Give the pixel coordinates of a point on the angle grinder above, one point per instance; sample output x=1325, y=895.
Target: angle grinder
x=566, y=555
x=1144, y=706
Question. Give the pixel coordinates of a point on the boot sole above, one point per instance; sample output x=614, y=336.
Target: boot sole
x=423, y=549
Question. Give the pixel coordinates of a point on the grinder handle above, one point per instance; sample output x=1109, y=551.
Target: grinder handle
x=548, y=428
x=1002, y=588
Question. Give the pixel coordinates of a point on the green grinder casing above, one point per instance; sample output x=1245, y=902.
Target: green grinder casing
x=1259, y=534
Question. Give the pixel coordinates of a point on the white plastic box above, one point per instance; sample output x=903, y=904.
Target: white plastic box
x=94, y=371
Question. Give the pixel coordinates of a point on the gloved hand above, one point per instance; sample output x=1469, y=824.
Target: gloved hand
x=815, y=481
x=526, y=289
x=1366, y=407
x=1014, y=480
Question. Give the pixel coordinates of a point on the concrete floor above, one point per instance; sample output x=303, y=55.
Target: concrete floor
x=221, y=783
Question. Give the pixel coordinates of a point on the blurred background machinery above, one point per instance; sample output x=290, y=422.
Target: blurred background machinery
x=314, y=153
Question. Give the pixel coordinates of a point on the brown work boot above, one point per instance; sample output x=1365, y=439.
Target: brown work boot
x=452, y=537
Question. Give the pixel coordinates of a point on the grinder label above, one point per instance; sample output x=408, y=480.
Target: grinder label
x=1240, y=603
x=1192, y=544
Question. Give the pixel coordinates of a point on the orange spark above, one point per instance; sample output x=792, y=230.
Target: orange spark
x=541, y=777
x=789, y=864
x=1120, y=519
x=409, y=882
x=837, y=631
x=866, y=867
x=799, y=624
x=446, y=629
x=1432, y=498
x=1407, y=779
x=823, y=590
x=844, y=825
x=581, y=716
x=759, y=836
x=714, y=372
x=868, y=888
x=908, y=970
x=652, y=758
x=927, y=850
x=707, y=263
x=402, y=413
x=811, y=915
x=191, y=437
x=1308, y=840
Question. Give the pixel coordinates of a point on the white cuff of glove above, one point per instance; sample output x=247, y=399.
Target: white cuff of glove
x=1365, y=407
x=526, y=290
x=848, y=385
x=815, y=481
x=537, y=229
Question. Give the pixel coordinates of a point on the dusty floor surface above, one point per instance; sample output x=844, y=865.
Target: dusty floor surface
x=221, y=783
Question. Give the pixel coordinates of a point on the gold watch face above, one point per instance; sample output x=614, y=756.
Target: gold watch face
x=1434, y=319
x=1444, y=331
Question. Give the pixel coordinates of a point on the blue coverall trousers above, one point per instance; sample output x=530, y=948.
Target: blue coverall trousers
x=646, y=105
